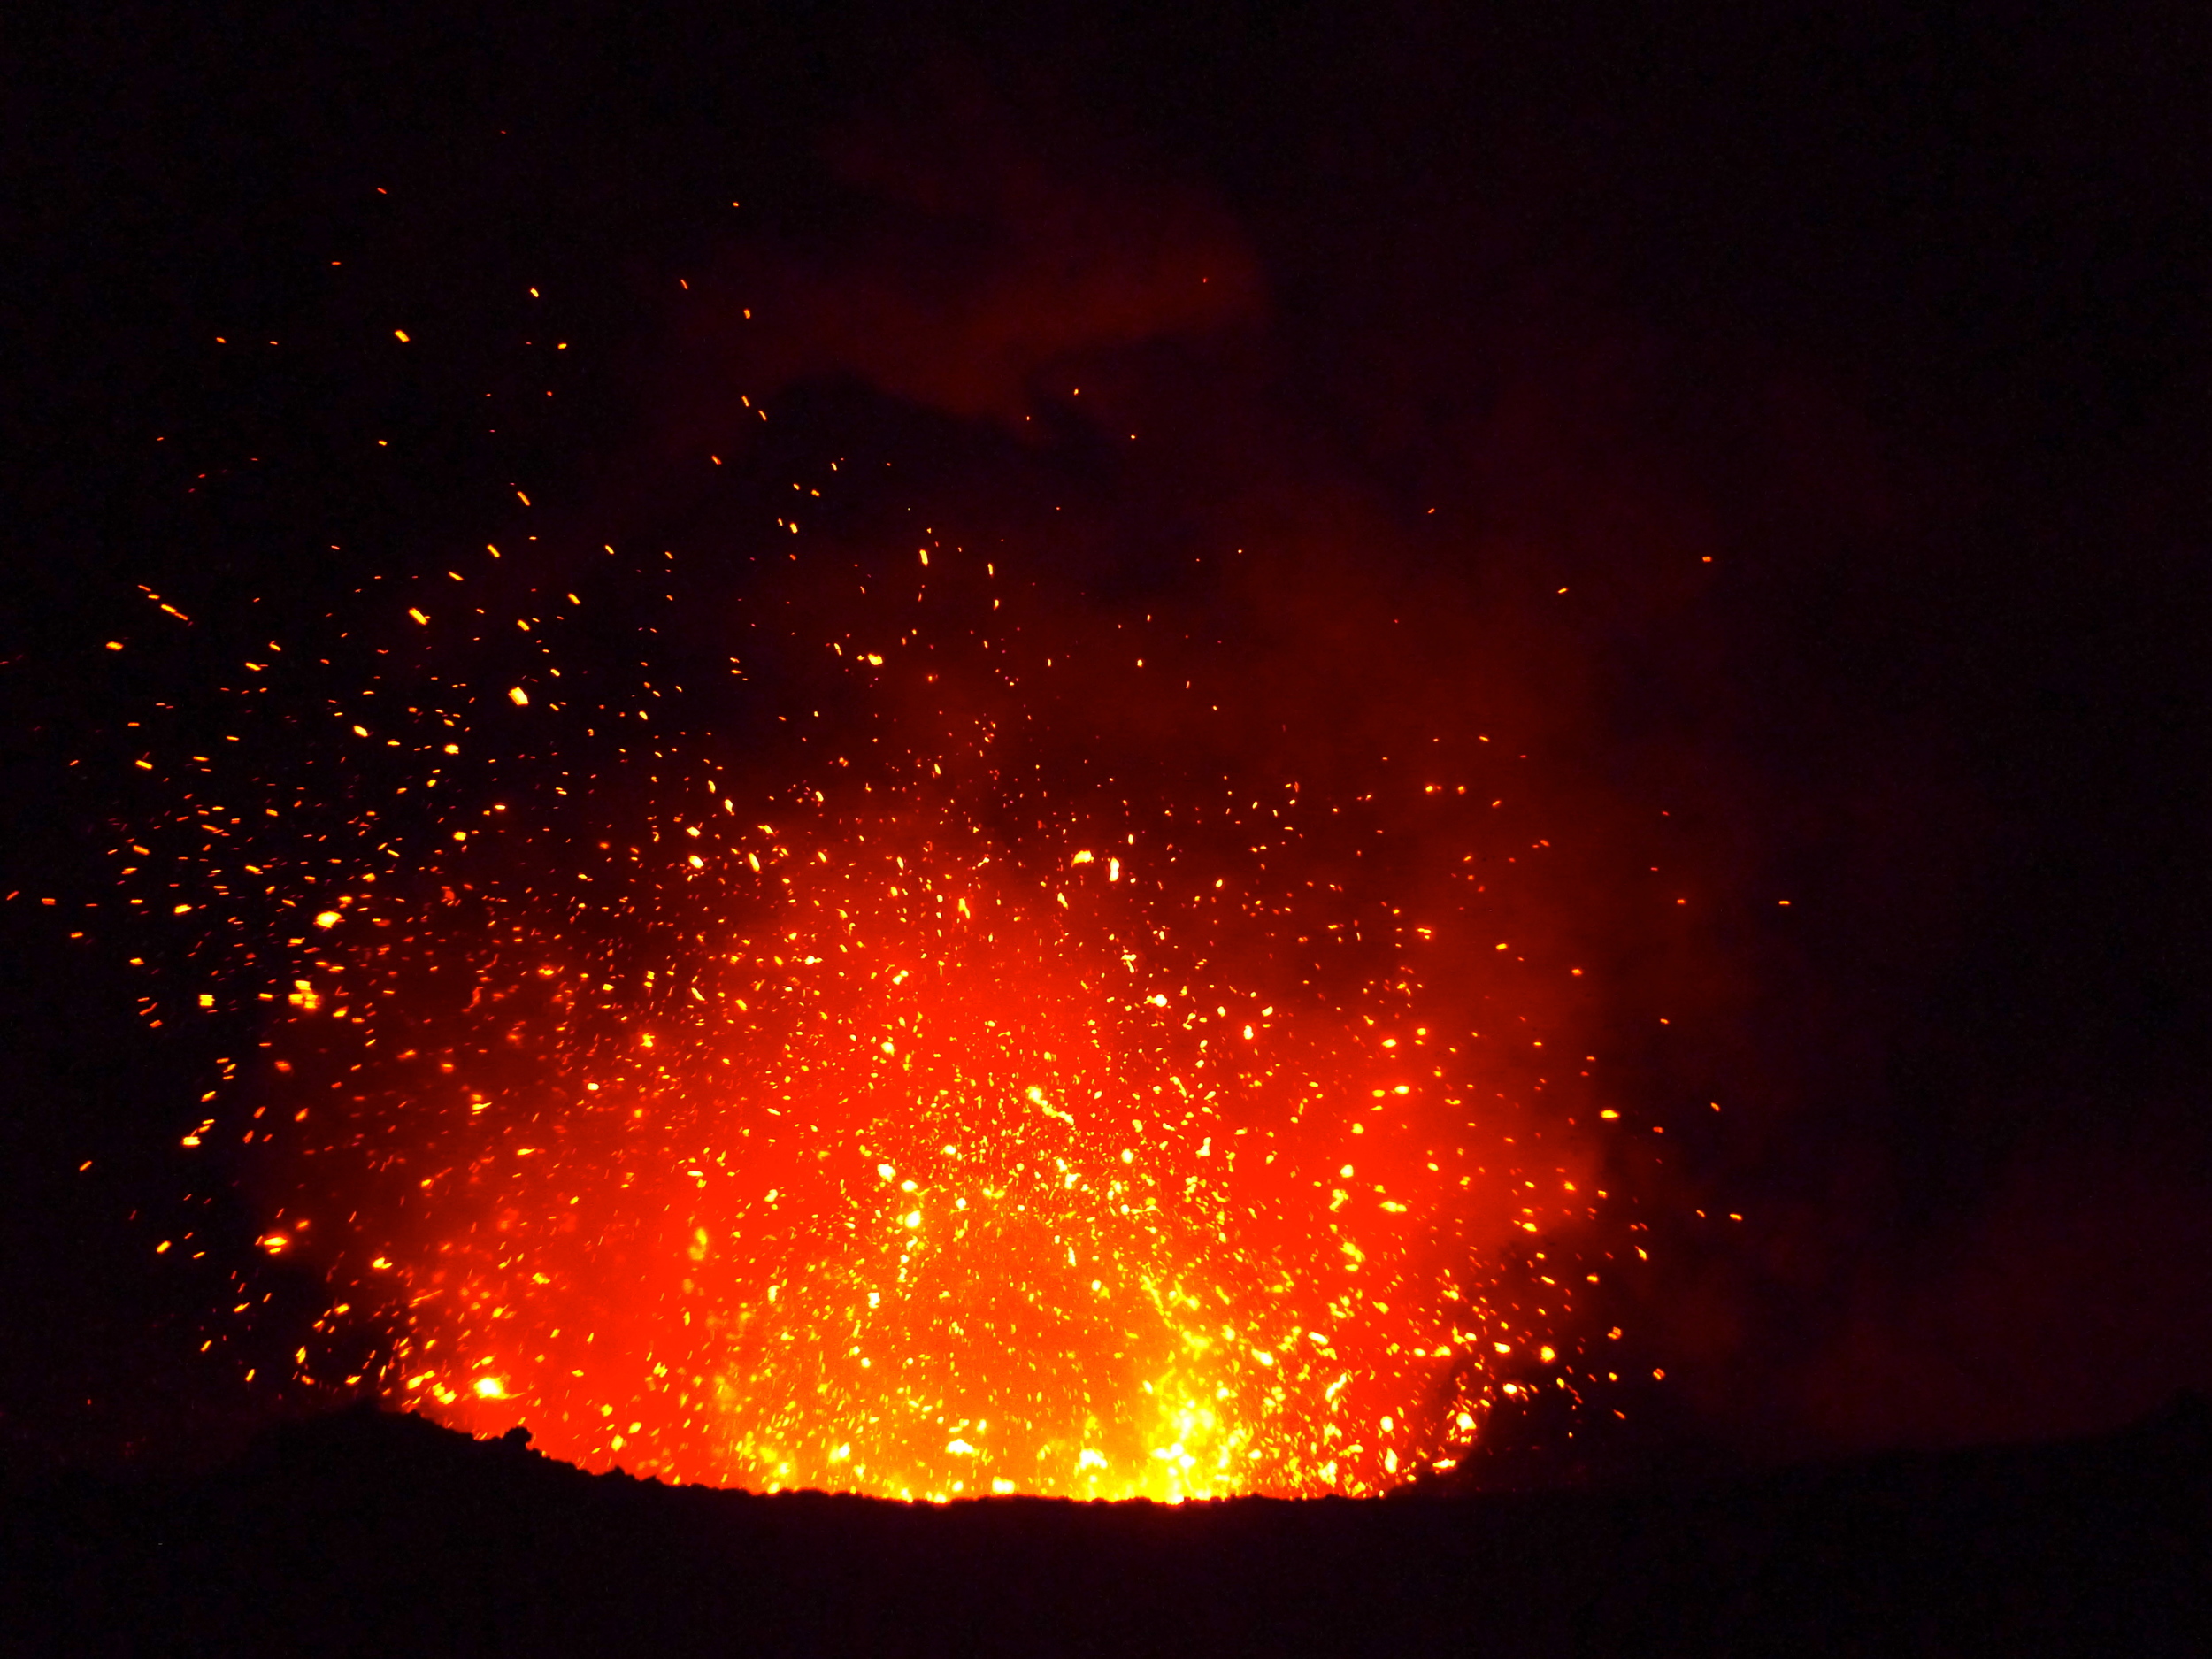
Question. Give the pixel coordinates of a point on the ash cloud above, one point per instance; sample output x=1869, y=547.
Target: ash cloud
x=1720, y=603
x=959, y=260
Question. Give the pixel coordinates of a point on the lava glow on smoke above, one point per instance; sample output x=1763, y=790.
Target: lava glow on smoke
x=922, y=1128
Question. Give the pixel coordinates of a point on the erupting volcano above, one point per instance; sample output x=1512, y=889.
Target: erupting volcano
x=970, y=1111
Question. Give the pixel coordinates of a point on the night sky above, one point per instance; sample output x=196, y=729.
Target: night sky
x=1787, y=423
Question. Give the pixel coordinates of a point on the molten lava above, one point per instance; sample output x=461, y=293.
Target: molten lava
x=926, y=1172
x=974, y=1119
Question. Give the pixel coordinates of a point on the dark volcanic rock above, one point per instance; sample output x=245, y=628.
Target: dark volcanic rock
x=377, y=1535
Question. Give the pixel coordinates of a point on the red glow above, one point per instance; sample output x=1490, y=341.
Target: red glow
x=927, y=1173
x=907, y=1132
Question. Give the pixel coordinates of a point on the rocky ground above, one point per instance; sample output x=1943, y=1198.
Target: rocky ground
x=380, y=1534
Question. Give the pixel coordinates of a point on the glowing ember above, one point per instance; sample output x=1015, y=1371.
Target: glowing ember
x=925, y=1128
x=924, y=1170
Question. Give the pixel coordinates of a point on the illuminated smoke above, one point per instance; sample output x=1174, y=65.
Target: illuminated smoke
x=929, y=1124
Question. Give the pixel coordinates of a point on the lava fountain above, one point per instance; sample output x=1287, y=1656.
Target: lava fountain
x=922, y=1128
